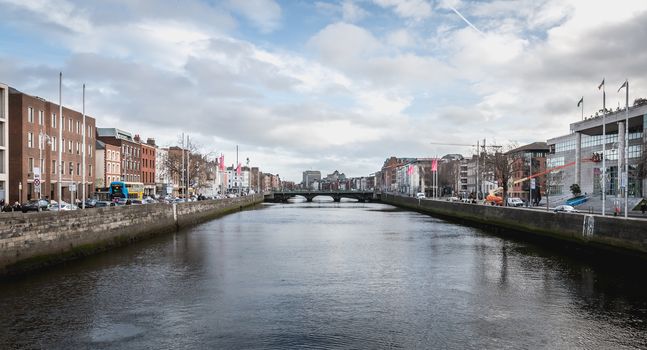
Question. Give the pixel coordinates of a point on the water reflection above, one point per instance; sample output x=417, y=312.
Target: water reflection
x=327, y=275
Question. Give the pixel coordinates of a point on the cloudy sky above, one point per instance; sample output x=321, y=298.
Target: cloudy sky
x=329, y=84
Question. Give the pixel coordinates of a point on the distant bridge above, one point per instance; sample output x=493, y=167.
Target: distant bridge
x=361, y=196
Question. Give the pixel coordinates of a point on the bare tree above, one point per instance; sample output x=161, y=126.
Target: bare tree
x=501, y=165
x=189, y=165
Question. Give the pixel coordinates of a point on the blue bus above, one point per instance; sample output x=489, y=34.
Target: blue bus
x=118, y=189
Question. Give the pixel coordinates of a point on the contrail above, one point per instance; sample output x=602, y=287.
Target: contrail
x=466, y=21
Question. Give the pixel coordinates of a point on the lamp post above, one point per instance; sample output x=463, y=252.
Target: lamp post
x=41, y=165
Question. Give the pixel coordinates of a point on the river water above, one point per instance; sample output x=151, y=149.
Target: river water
x=328, y=275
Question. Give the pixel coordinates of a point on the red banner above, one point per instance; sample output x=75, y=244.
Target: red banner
x=434, y=165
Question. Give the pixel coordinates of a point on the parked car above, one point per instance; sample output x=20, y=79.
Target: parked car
x=453, y=199
x=63, y=206
x=420, y=195
x=102, y=204
x=515, y=202
x=565, y=209
x=34, y=204
x=90, y=203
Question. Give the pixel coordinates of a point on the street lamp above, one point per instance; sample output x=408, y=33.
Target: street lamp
x=41, y=136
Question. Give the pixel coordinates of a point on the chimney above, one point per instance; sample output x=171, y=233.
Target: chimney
x=137, y=139
x=150, y=141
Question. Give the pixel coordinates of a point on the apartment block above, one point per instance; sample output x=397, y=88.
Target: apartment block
x=149, y=150
x=130, y=151
x=35, y=129
x=108, y=164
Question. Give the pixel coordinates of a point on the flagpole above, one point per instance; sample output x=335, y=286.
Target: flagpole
x=626, y=176
x=604, y=150
x=59, y=190
x=83, y=153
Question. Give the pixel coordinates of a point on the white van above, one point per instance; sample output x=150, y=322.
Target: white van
x=515, y=202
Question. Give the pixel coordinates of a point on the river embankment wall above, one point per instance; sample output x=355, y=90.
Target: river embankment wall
x=625, y=236
x=30, y=241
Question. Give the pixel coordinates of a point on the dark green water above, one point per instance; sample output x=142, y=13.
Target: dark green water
x=349, y=275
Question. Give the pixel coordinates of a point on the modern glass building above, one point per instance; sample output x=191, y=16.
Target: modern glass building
x=580, y=154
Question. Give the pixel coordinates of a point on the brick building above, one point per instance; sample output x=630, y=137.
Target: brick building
x=525, y=161
x=130, y=152
x=148, y=165
x=34, y=143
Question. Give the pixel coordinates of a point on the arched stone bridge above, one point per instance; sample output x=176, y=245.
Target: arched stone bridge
x=361, y=196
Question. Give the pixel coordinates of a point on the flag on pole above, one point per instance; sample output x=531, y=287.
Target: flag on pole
x=434, y=165
x=601, y=84
x=581, y=101
x=238, y=170
x=222, y=162
x=623, y=85
x=410, y=169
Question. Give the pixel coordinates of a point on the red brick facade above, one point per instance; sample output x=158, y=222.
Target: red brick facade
x=31, y=116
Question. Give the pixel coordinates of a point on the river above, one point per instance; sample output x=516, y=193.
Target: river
x=328, y=275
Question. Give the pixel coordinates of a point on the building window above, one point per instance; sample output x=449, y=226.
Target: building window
x=69, y=146
x=30, y=140
x=62, y=169
x=71, y=168
x=54, y=144
x=41, y=117
x=78, y=169
x=30, y=114
x=53, y=167
x=90, y=170
x=30, y=164
x=53, y=120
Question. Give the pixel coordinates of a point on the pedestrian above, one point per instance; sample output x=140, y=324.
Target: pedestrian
x=643, y=206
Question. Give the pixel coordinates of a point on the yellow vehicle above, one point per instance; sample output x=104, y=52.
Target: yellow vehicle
x=135, y=190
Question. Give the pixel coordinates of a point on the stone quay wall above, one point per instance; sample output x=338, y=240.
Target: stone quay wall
x=30, y=241
x=625, y=236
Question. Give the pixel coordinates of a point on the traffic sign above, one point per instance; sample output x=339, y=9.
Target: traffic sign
x=72, y=187
x=532, y=184
x=37, y=180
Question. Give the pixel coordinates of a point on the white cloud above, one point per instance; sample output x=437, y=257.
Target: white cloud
x=410, y=9
x=351, y=12
x=342, y=42
x=60, y=12
x=265, y=14
x=401, y=38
